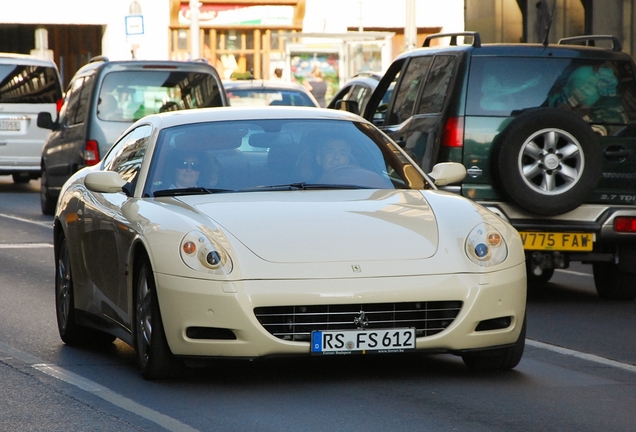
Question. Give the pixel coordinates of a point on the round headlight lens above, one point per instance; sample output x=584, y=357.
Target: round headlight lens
x=485, y=246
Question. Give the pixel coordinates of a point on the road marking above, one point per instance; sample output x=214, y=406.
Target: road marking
x=589, y=357
x=41, y=223
x=25, y=245
x=572, y=272
x=95, y=389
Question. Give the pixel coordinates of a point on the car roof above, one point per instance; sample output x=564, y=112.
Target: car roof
x=25, y=59
x=269, y=84
x=522, y=50
x=201, y=115
x=104, y=63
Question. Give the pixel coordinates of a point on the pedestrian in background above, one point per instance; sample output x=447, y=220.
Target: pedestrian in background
x=317, y=86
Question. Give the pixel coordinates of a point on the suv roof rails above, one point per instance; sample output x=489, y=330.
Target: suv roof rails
x=98, y=58
x=589, y=40
x=475, y=35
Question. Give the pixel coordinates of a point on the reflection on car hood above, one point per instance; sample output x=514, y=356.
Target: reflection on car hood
x=323, y=226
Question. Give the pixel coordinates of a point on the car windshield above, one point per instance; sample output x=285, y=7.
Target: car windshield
x=267, y=96
x=277, y=155
x=127, y=96
x=601, y=91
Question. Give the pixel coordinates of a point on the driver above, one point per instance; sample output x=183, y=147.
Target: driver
x=335, y=153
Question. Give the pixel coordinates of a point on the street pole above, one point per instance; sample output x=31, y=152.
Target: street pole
x=195, y=50
x=410, y=29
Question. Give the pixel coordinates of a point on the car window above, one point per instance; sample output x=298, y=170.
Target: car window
x=408, y=88
x=27, y=84
x=71, y=101
x=264, y=96
x=127, y=96
x=358, y=93
x=600, y=91
x=436, y=86
x=128, y=153
x=301, y=154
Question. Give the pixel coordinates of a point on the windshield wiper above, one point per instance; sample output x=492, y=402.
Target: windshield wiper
x=301, y=186
x=189, y=191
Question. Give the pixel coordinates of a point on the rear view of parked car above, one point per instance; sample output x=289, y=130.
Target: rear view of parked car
x=28, y=85
x=104, y=98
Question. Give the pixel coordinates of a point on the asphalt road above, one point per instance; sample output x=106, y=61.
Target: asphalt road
x=578, y=372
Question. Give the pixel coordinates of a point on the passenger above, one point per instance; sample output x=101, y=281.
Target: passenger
x=192, y=171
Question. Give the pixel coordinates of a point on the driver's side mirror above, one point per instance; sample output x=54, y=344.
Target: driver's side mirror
x=45, y=121
x=348, y=105
x=446, y=173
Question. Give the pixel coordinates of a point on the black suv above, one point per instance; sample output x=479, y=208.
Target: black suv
x=547, y=136
x=104, y=98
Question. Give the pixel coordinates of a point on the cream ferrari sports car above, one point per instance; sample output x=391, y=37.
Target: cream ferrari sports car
x=250, y=232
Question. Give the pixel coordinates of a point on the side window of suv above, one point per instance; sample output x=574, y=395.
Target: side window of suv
x=67, y=112
x=408, y=88
x=434, y=93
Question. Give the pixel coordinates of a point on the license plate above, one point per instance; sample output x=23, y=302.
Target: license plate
x=363, y=341
x=557, y=241
x=10, y=125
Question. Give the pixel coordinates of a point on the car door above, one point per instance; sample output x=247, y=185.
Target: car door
x=414, y=114
x=63, y=150
x=107, y=233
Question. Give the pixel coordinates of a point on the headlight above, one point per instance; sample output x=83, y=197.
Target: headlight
x=201, y=252
x=485, y=246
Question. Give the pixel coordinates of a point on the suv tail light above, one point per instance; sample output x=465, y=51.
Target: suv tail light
x=625, y=224
x=91, y=153
x=453, y=135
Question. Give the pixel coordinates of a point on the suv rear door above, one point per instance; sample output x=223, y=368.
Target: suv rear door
x=413, y=116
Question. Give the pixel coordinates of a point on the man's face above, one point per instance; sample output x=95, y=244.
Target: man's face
x=334, y=154
x=187, y=172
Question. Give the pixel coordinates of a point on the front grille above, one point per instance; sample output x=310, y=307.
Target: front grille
x=297, y=322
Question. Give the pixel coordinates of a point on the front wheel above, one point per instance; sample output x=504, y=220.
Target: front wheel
x=612, y=283
x=151, y=347
x=47, y=202
x=500, y=358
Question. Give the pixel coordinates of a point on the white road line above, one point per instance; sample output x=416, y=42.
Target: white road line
x=92, y=387
x=589, y=357
x=572, y=272
x=41, y=223
x=25, y=245
x=116, y=399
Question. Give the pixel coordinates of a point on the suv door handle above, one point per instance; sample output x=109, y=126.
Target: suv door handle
x=617, y=154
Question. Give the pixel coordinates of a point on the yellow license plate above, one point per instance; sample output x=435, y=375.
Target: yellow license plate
x=557, y=241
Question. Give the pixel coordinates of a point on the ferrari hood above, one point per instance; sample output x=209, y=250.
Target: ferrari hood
x=328, y=226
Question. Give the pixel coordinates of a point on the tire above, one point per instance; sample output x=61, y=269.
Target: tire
x=21, y=178
x=151, y=347
x=47, y=202
x=500, y=358
x=70, y=332
x=547, y=161
x=612, y=283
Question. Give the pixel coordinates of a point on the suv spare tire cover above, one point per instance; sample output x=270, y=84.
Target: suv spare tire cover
x=547, y=161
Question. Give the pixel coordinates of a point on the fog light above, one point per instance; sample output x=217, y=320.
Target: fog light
x=625, y=224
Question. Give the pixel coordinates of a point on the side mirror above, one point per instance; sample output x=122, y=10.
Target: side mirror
x=45, y=121
x=104, y=182
x=446, y=173
x=348, y=105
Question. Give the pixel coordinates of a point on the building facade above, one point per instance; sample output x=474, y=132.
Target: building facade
x=239, y=37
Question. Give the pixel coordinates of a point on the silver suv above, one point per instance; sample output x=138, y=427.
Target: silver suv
x=28, y=85
x=104, y=98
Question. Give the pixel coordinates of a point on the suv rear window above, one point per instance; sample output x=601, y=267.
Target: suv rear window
x=600, y=91
x=130, y=95
x=27, y=84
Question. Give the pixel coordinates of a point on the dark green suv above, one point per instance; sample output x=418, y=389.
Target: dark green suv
x=547, y=136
